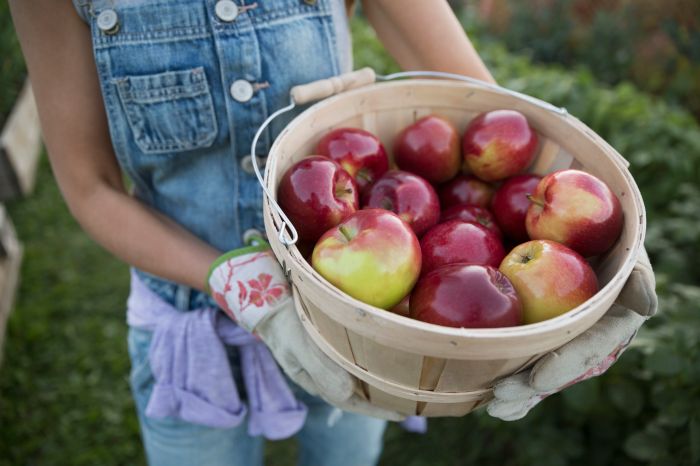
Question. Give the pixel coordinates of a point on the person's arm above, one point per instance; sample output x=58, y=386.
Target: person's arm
x=57, y=48
x=425, y=35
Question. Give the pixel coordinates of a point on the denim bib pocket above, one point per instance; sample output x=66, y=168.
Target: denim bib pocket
x=169, y=112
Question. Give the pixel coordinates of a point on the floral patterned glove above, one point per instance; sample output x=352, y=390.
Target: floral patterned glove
x=588, y=355
x=250, y=286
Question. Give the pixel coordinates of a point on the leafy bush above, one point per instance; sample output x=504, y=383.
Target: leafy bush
x=654, y=44
x=12, y=72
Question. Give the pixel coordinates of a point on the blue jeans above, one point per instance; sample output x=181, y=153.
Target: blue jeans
x=353, y=440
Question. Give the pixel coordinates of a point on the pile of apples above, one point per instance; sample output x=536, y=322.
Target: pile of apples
x=427, y=238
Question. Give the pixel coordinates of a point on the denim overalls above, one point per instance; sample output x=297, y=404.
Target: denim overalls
x=186, y=83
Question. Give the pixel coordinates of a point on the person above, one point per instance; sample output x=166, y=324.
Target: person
x=147, y=111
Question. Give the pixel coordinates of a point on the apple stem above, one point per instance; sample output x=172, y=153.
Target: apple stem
x=532, y=199
x=345, y=231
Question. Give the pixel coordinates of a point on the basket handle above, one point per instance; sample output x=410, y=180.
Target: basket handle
x=317, y=90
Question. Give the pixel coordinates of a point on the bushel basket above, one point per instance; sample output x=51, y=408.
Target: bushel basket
x=403, y=364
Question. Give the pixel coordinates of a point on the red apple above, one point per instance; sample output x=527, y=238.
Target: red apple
x=472, y=213
x=577, y=209
x=465, y=189
x=550, y=278
x=317, y=194
x=409, y=196
x=358, y=151
x=373, y=256
x=509, y=205
x=458, y=241
x=499, y=144
x=463, y=295
x=429, y=148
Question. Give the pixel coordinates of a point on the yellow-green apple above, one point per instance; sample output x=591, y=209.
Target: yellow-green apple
x=465, y=295
x=358, y=151
x=577, y=209
x=498, y=144
x=409, y=196
x=509, y=205
x=459, y=241
x=472, y=213
x=550, y=278
x=429, y=148
x=317, y=194
x=373, y=256
x=465, y=189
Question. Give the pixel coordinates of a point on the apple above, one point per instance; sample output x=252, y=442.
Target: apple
x=465, y=189
x=465, y=295
x=459, y=241
x=549, y=277
x=472, y=213
x=429, y=148
x=402, y=308
x=358, y=151
x=510, y=203
x=576, y=209
x=317, y=194
x=409, y=196
x=498, y=144
x=372, y=255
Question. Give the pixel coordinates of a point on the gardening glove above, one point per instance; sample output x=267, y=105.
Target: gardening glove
x=250, y=287
x=588, y=355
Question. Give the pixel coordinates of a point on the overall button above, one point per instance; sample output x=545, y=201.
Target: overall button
x=226, y=10
x=108, y=21
x=247, y=164
x=242, y=90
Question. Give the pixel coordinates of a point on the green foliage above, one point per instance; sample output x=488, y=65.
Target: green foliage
x=654, y=44
x=12, y=72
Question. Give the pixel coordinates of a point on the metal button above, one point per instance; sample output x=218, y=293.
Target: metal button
x=252, y=237
x=108, y=21
x=310, y=2
x=242, y=90
x=226, y=10
x=247, y=164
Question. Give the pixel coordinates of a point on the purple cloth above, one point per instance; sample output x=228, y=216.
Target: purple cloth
x=193, y=378
x=416, y=424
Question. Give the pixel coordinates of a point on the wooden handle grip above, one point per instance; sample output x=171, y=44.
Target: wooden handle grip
x=323, y=88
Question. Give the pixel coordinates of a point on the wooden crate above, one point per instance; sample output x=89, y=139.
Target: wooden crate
x=20, y=146
x=415, y=367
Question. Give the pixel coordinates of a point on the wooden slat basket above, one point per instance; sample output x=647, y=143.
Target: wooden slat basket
x=414, y=367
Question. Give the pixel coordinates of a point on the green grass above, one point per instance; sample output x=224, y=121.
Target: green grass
x=64, y=396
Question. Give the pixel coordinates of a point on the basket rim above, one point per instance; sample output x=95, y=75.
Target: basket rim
x=558, y=323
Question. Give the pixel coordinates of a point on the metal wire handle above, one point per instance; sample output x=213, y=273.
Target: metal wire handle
x=288, y=235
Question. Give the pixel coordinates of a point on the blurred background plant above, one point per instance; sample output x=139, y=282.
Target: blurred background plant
x=64, y=396
x=654, y=44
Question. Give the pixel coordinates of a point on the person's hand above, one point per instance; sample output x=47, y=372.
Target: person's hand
x=250, y=287
x=588, y=355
